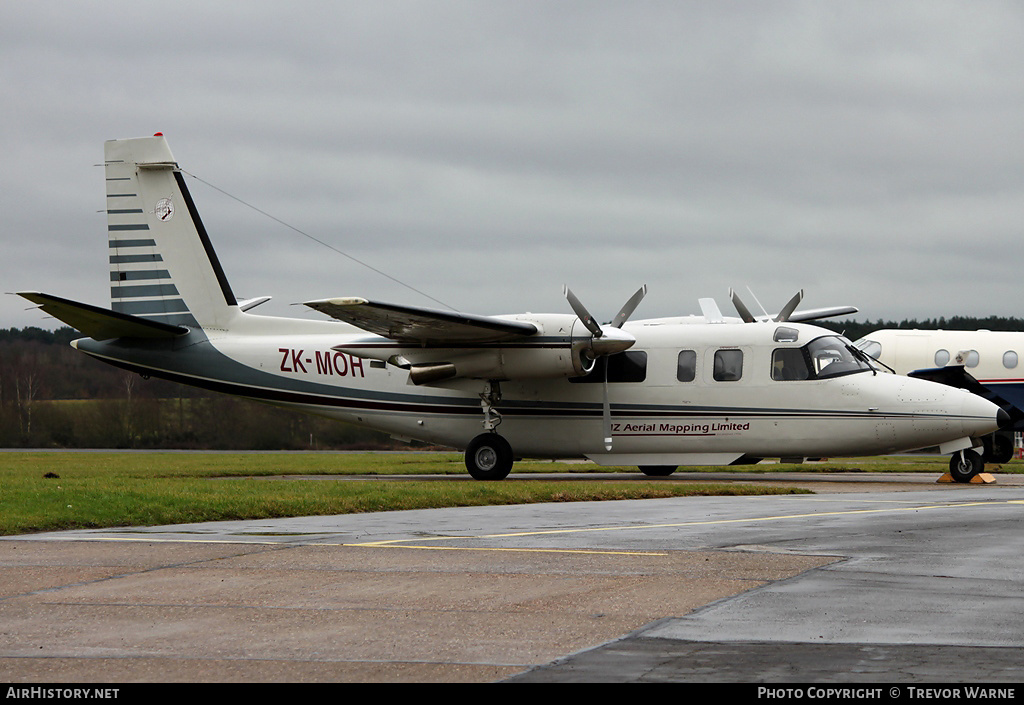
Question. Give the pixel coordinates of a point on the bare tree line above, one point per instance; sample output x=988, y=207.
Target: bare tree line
x=54, y=397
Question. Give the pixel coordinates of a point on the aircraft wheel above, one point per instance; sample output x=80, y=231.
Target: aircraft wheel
x=657, y=470
x=964, y=465
x=489, y=457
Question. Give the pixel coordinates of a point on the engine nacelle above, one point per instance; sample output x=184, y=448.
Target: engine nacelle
x=508, y=363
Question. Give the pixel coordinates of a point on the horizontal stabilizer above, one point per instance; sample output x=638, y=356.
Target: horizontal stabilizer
x=101, y=323
x=409, y=324
x=249, y=304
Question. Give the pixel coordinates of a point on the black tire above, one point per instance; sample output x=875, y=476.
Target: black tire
x=964, y=465
x=489, y=457
x=657, y=470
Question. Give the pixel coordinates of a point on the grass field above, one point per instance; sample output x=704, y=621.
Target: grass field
x=44, y=491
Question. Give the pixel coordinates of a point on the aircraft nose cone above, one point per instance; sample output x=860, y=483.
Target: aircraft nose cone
x=980, y=416
x=1003, y=418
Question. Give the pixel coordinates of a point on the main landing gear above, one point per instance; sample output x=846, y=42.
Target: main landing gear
x=489, y=456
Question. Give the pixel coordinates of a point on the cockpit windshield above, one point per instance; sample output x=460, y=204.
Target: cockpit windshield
x=828, y=356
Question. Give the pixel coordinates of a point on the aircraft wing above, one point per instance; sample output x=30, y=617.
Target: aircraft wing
x=421, y=326
x=815, y=314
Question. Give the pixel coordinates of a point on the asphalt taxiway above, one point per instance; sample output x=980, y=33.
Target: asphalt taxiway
x=896, y=580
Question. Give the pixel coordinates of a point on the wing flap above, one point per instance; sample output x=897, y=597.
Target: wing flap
x=101, y=323
x=421, y=326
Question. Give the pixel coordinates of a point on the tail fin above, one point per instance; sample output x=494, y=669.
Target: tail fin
x=162, y=265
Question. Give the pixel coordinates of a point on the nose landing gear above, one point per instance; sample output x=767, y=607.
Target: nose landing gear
x=964, y=465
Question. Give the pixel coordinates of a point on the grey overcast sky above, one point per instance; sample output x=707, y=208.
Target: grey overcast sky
x=488, y=152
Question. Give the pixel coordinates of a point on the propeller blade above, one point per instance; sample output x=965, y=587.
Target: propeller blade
x=741, y=309
x=583, y=313
x=606, y=342
x=607, y=412
x=788, y=309
x=627, y=309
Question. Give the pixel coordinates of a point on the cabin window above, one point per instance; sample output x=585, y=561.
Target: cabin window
x=971, y=358
x=789, y=364
x=941, y=358
x=686, y=367
x=629, y=366
x=1009, y=359
x=728, y=365
x=786, y=335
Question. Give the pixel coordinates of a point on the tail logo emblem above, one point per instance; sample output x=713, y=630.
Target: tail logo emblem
x=164, y=209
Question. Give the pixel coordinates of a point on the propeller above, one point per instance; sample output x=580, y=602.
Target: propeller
x=606, y=341
x=789, y=312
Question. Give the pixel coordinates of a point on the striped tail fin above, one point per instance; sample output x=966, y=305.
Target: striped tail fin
x=162, y=265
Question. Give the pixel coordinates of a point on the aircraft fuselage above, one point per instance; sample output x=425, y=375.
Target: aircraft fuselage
x=654, y=393
x=660, y=415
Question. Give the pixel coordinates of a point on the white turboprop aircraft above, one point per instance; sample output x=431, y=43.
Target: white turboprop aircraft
x=654, y=393
x=985, y=362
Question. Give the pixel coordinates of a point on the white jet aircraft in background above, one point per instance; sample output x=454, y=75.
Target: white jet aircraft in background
x=696, y=390
x=985, y=362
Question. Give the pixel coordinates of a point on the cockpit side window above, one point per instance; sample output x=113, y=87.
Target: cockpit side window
x=789, y=364
x=827, y=356
x=832, y=356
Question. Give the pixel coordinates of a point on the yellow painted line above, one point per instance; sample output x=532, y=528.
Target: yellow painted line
x=509, y=550
x=709, y=522
x=383, y=544
x=408, y=542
